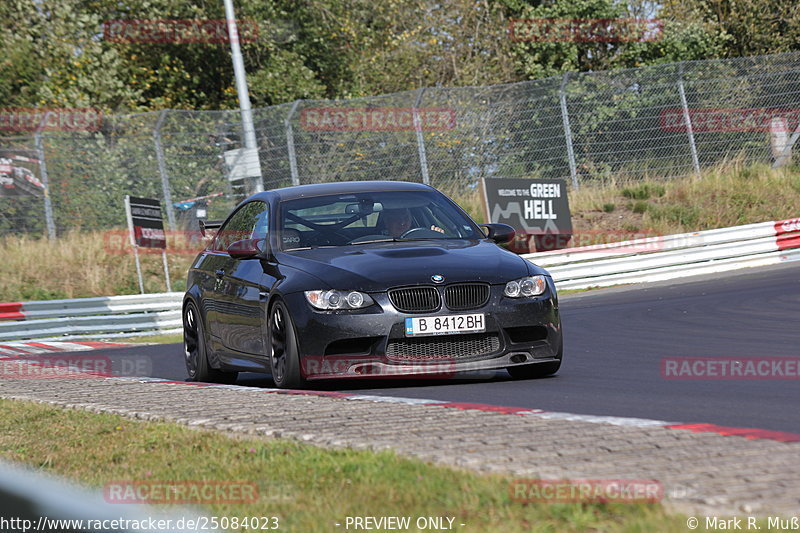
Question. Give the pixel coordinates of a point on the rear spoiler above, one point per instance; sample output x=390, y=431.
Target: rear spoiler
x=209, y=224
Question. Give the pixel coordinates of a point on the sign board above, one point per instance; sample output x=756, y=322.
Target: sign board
x=146, y=222
x=242, y=163
x=534, y=207
x=146, y=227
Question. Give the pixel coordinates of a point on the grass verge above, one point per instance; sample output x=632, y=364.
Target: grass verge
x=729, y=195
x=309, y=488
x=82, y=264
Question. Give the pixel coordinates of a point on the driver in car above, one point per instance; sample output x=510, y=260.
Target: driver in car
x=399, y=221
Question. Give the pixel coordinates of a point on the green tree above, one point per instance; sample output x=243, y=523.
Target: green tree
x=674, y=40
x=747, y=27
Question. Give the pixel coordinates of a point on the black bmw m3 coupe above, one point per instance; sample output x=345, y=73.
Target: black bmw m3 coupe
x=364, y=279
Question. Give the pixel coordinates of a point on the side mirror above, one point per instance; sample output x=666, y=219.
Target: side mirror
x=246, y=248
x=499, y=233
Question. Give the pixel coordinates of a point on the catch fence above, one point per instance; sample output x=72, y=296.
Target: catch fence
x=620, y=126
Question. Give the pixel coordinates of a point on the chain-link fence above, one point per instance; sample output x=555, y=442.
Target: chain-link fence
x=589, y=128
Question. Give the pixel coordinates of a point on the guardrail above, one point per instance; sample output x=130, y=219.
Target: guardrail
x=108, y=316
x=672, y=256
x=663, y=258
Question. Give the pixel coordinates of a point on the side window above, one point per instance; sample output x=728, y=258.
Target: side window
x=261, y=228
x=249, y=222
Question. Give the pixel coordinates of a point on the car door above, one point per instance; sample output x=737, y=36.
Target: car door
x=238, y=301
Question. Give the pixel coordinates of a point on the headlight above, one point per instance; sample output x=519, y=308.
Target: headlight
x=525, y=287
x=333, y=299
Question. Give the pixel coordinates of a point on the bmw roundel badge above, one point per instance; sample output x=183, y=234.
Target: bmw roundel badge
x=437, y=278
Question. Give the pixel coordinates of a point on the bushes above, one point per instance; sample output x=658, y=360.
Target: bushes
x=644, y=191
x=675, y=214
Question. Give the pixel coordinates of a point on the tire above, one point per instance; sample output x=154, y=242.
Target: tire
x=284, y=357
x=195, y=350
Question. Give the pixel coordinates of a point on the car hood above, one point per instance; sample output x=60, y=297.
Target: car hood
x=378, y=266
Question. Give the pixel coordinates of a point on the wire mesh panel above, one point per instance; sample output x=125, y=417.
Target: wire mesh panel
x=271, y=125
x=654, y=122
x=359, y=139
x=735, y=101
x=22, y=208
x=616, y=125
x=502, y=131
x=194, y=145
x=90, y=172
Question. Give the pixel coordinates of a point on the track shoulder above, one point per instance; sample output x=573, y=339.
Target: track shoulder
x=700, y=471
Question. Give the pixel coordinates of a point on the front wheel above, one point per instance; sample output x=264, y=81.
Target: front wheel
x=284, y=357
x=196, y=350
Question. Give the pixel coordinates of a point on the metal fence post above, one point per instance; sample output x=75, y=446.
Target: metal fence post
x=248, y=129
x=786, y=154
x=687, y=119
x=48, y=204
x=290, y=144
x=423, y=156
x=562, y=95
x=162, y=169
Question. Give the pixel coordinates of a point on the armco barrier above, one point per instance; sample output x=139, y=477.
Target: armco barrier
x=673, y=256
x=107, y=316
x=11, y=311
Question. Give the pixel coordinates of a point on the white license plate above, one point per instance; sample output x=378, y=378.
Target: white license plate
x=445, y=325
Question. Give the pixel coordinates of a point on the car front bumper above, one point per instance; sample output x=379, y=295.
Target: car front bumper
x=372, y=342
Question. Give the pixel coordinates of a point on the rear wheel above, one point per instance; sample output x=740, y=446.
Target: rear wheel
x=284, y=355
x=196, y=350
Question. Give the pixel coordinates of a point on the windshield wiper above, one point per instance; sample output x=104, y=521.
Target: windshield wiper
x=387, y=239
x=310, y=247
x=442, y=238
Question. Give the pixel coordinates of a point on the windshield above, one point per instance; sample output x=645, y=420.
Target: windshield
x=362, y=218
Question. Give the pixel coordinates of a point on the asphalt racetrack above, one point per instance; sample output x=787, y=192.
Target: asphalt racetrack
x=615, y=340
